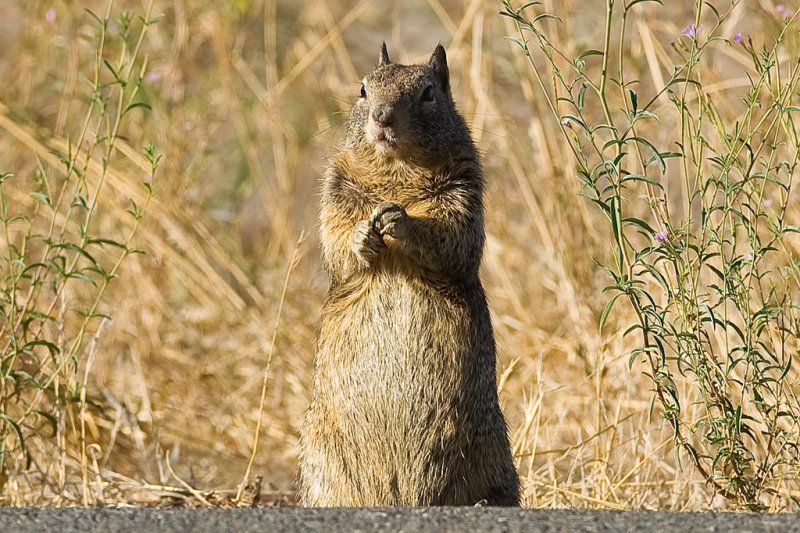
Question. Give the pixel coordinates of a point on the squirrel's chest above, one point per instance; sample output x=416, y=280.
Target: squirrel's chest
x=416, y=195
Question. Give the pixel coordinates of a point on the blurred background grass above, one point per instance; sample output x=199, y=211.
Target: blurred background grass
x=247, y=98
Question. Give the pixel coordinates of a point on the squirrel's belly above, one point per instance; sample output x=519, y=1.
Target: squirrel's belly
x=393, y=366
x=394, y=317
x=398, y=347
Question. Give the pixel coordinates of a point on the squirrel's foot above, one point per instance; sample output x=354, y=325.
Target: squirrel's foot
x=366, y=243
x=390, y=219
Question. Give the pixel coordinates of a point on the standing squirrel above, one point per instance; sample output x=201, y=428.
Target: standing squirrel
x=404, y=410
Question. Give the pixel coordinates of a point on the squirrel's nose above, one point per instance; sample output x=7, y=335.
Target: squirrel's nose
x=383, y=115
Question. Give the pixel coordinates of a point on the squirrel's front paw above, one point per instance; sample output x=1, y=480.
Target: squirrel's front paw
x=390, y=219
x=366, y=242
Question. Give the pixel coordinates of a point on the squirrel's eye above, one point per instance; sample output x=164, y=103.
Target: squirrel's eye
x=363, y=91
x=427, y=94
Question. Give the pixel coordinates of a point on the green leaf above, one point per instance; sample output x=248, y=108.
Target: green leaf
x=109, y=242
x=52, y=348
x=640, y=223
x=20, y=437
x=81, y=277
x=589, y=53
x=712, y=8
x=634, y=2
x=616, y=226
x=581, y=96
x=42, y=197
x=572, y=118
x=103, y=23
x=523, y=7
x=518, y=42
x=607, y=310
x=512, y=15
x=786, y=368
x=640, y=115
x=137, y=104
x=639, y=177
x=113, y=71
x=80, y=201
x=51, y=419
x=656, y=154
x=543, y=16
x=682, y=80
x=77, y=249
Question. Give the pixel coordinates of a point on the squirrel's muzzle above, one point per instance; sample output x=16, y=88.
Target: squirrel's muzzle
x=383, y=115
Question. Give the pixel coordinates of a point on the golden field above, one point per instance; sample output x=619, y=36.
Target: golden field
x=246, y=99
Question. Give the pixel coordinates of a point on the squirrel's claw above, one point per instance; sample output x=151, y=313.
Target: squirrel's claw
x=366, y=243
x=389, y=219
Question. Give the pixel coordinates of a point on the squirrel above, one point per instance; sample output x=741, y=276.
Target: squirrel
x=404, y=408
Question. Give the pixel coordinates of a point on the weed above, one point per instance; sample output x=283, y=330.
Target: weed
x=706, y=268
x=58, y=264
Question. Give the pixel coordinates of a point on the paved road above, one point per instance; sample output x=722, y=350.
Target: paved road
x=461, y=520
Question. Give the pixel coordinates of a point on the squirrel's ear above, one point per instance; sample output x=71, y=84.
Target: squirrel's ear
x=438, y=64
x=384, y=57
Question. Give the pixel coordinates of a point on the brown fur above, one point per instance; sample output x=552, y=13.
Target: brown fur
x=404, y=408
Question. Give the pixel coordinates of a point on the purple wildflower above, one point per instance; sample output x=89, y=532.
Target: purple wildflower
x=783, y=11
x=737, y=38
x=153, y=76
x=566, y=123
x=50, y=16
x=148, y=179
x=661, y=236
x=691, y=31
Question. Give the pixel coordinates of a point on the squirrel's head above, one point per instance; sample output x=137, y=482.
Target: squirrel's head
x=407, y=111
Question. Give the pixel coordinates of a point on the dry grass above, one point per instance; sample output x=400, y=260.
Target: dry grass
x=246, y=101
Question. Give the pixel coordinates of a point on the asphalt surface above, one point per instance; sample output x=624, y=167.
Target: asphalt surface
x=419, y=519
